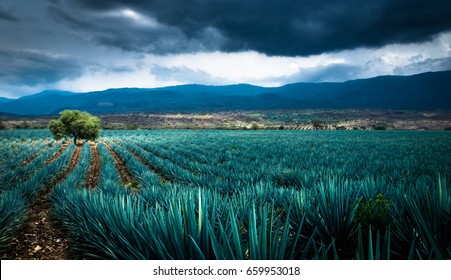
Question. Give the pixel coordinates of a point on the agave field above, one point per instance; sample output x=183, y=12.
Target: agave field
x=226, y=195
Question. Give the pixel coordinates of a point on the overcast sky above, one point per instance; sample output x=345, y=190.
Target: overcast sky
x=86, y=45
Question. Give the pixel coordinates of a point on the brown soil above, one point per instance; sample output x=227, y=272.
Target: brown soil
x=39, y=239
x=123, y=172
x=94, y=171
x=25, y=163
x=63, y=147
x=152, y=168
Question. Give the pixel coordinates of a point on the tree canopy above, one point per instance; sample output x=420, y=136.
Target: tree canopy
x=75, y=124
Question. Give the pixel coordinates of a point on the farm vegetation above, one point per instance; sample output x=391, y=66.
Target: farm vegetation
x=229, y=195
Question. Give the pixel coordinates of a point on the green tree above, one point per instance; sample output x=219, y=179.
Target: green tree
x=318, y=124
x=254, y=126
x=75, y=124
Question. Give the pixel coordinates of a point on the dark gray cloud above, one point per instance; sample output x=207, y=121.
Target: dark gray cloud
x=95, y=44
x=31, y=68
x=140, y=34
x=284, y=27
x=7, y=15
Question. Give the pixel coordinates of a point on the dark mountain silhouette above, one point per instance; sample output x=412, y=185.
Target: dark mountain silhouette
x=418, y=92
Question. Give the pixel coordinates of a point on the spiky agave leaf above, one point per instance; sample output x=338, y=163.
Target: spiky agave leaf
x=330, y=209
x=13, y=214
x=422, y=223
x=377, y=248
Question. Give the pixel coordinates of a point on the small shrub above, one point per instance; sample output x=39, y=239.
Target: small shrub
x=133, y=126
x=374, y=213
x=318, y=124
x=133, y=186
x=380, y=126
x=288, y=178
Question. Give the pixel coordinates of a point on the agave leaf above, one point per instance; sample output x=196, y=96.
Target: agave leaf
x=198, y=252
x=200, y=214
x=262, y=238
x=423, y=226
x=370, y=244
x=236, y=237
x=253, y=235
x=360, y=250
x=311, y=241
x=296, y=240
x=284, y=238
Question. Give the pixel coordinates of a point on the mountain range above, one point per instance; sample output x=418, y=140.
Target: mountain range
x=424, y=91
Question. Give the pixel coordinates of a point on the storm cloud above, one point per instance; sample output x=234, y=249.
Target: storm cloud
x=85, y=45
x=7, y=15
x=33, y=67
x=285, y=27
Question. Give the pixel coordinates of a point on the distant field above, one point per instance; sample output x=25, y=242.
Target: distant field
x=216, y=194
x=317, y=119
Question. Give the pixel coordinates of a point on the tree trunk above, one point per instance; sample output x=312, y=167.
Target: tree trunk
x=75, y=140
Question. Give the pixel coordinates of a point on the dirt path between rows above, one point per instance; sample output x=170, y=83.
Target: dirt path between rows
x=120, y=166
x=39, y=239
x=57, y=155
x=26, y=162
x=94, y=171
x=163, y=177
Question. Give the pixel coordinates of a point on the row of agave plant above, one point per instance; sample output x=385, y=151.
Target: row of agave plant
x=331, y=218
x=336, y=219
x=14, y=153
x=10, y=178
x=16, y=201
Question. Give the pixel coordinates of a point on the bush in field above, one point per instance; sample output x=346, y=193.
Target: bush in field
x=380, y=126
x=374, y=213
x=254, y=126
x=318, y=124
x=76, y=124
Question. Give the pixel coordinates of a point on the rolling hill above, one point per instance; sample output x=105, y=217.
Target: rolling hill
x=4, y=99
x=418, y=92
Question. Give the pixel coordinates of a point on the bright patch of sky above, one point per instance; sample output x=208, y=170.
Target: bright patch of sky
x=255, y=68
